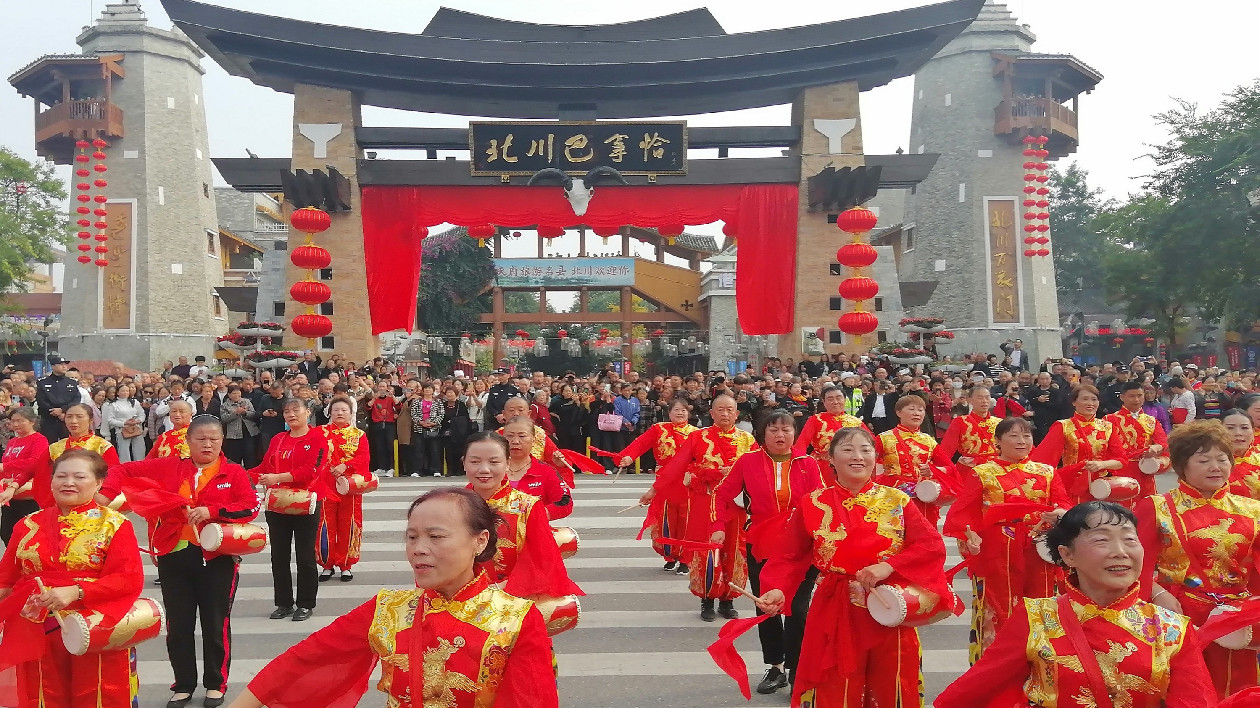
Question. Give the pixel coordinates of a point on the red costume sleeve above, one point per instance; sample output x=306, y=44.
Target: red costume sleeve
x=21, y=469
x=111, y=457
x=555, y=493
x=808, y=432
x=529, y=680
x=641, y=444
x=344, y=659
x=922, y=559
x=9, y=570
x=1058, y=491
x=361, y=460
x=122, y=575
x=1189, y=683
x=669, y=477
x=966, y=510
x=997, y=679
x=1050, y=451
x=1015, y=409
x=944, y=452
x=785, y=569
x=1148, y=536
x=730, y=488
x=244, y=503
x=539, y=569
x=148, y=467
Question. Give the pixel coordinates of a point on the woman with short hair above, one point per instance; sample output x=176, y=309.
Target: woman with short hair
x=340, y=534
x=23, y=454
x=454, y=640
x=1099, y=643
x=1202, y=544
x=1000, y=509
x=1078, y=446
x=125, y=416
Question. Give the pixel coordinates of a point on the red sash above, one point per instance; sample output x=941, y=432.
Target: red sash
x=1089, y=662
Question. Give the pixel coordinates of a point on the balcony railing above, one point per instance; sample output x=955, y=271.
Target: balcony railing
x=72, y=118
x=267, y=227
x=1043, y=114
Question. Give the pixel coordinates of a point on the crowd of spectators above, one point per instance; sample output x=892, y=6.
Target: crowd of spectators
x=417, y=425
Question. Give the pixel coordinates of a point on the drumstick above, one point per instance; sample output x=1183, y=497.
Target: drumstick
x=742, y=591
x=56, y=614
x=635, y=506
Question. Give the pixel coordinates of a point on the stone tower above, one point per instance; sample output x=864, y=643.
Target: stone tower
x=156, y=299
x=974, y=102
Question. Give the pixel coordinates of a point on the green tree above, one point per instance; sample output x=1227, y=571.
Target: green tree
x=1078, y=247
x=455, y=282
x=31, y=224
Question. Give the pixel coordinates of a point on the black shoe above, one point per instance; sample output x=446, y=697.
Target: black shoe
x=178, y=702
x=706, y=611
x=791, y=677
x=346, y=576
x=209, y=702
x=157, y=581
x=669, y=565
x=772, y=681
x=325, y=575
x=302, y=614
x=726, y=608
x=281, y=613
x=683, y=569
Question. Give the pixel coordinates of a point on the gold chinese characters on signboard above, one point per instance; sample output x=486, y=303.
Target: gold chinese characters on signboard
x=1003, y=232
x=116, y=304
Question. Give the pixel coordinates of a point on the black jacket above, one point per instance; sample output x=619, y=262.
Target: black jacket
x=271, y=425
x=880, y=425
x=54, y=391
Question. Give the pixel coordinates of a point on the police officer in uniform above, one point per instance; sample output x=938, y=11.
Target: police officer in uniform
x=498, y=397
x=53, y=394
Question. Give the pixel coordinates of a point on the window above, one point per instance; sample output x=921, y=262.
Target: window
x=881, y=336
x=216, y=303
x=327, y=343
x=205, y=188
x=909, y=242
x=211, y=246
x=837, y=303
x=325, y=308
x=325, y=274
x=279, y=245
x=879, y=304
x=837, y=269
x=835, y=336
x=277, y=309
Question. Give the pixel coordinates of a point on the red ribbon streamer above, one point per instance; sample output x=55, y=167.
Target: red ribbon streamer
x=727, y=657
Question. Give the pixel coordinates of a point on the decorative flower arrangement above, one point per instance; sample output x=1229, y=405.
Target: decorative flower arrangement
x=921, y=322
x=907, y=352
x=274, y=326
x=268, y=355
x=241, y=340
x=944, y=335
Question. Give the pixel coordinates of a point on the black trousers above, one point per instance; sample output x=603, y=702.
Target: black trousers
x=426, y=454
x=453, y=450
x=12, y=513
x=239, y=450
x=287, y=531
x=192, y=585
x=781, y=636
x=381, y=438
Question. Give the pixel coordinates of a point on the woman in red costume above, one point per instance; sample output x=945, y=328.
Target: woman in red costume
x=775, y=481
x=906, y=454
x=1001, y=506
x=694, y=474
x=1097, y=644
x=817, y=431
x=1078, y=446
x=72, y=555
x=78, y=420
x=341, y=521
x=971, y=436
x=1202, y=544
x=1244, y=480
x=542, y=447
x=527, y=559
x=664, y=440
x=1138, y=440
x=531, y=475
x=859, y=534
x=455, y=640
x=25, y=451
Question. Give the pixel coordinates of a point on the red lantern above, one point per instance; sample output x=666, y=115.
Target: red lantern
x=101, y=250
x=857, y=220
x=82, y=144
x=99, y=143
x=1043, y=252
x=730, y=230
x=1117, y=341
x=856, y=255
x=858, y=288
x=658, y=333
x=1029, y=140
x=82, y=158
x=1149, y=341
x=1029, y=253
x=85, y=259
x=522, y=333
x=310, y=220
x=1029, y=189
x=858, y=323
x=670, y=232
x=606, y=232
x=550, y=232
x=481, y=232
x=311, y=326
x=85, y=247
x=604, y=332
x=563, y=334
x=310, y=257
x=310, y=292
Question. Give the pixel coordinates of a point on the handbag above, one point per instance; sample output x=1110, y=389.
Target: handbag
x=131, y=430
x=609, y=422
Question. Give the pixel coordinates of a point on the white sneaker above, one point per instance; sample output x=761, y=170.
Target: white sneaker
x=437, y=474
x=415, y=474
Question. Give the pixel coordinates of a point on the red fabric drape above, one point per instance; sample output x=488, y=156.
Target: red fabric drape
x=392, y=253
x=766, y=214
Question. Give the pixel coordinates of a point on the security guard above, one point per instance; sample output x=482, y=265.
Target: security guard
x=53, y=394
x=498, y=397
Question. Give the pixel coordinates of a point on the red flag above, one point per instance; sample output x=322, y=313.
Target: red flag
x=727, y=657
x=583, y=463
x=148, y=499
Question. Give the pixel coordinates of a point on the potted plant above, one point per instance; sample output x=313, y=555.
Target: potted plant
x=922, y=325
x=259, y=329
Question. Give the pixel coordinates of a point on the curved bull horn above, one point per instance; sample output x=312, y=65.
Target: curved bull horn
x=550, y=175
x=603, y=171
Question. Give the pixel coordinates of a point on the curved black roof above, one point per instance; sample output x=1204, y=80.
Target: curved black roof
x=502, y=69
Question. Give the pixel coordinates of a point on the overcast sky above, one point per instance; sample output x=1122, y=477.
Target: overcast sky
x=1148, y=51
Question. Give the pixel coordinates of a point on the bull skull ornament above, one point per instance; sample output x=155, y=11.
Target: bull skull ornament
x=578, y=193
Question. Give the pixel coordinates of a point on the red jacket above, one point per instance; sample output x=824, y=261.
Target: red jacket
x=543, y=481
x=307, y=458
x=228, y=495
x=754, y=472
x=23, y=457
